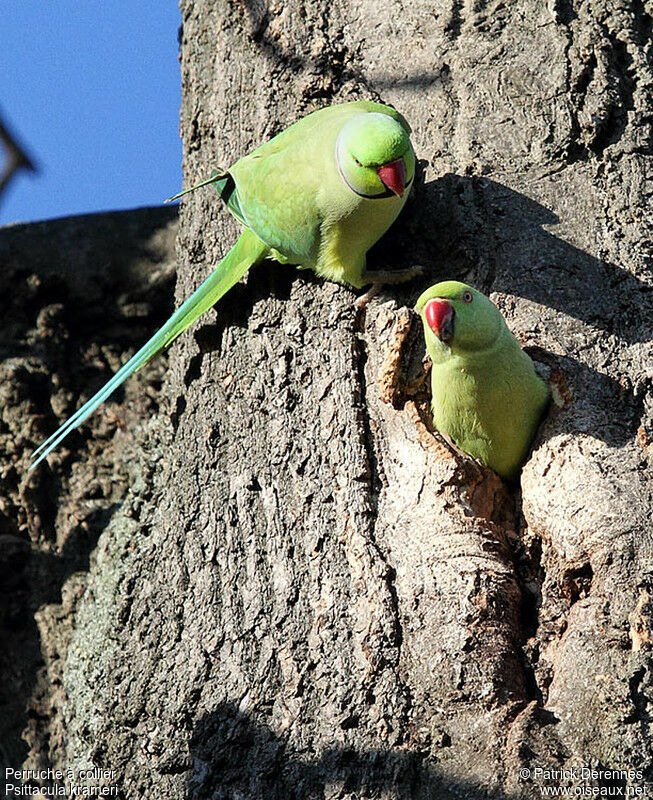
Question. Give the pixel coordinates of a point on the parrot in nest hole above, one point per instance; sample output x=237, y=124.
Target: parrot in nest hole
x=486, y=396
x=318, y=195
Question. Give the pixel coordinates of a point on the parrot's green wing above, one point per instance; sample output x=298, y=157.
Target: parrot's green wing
x=226, y=188
x=247, y=251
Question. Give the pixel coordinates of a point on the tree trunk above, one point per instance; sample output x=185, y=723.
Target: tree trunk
x=304, y=594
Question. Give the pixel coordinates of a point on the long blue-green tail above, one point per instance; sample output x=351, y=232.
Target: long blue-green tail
x=247, y=251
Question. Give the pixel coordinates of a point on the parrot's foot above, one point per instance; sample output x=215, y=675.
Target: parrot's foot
x=392, y=276
x=378, y=278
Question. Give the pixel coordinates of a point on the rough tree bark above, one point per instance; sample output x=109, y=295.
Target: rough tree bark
x=77, y=295
x=303, y=594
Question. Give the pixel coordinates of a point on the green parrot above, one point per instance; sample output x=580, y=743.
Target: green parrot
x=486, y=396
x=318, y=195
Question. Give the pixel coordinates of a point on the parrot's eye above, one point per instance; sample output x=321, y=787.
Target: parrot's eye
x=467, y=296
x=358, y=163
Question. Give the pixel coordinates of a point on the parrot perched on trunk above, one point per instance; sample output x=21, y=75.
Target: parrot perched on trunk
x=486, y=396
x=318, y=195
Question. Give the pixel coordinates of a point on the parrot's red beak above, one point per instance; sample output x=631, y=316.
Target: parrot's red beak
x=393, y=176
x=440, y=315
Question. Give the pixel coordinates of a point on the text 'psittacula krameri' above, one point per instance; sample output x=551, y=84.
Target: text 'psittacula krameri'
x=319, y=195
x=486, y=396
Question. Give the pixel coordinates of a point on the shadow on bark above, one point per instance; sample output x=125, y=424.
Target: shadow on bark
x=478, y=230
x=235, y=756
x=334, y=58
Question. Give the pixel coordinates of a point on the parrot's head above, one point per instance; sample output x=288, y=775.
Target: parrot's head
x=458, y=318
x=375, y=157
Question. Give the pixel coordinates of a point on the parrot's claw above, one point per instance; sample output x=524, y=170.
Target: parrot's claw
x=361, y=302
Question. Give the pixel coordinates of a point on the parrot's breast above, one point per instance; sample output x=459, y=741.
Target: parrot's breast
x=490, y=410
x=350, y=227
